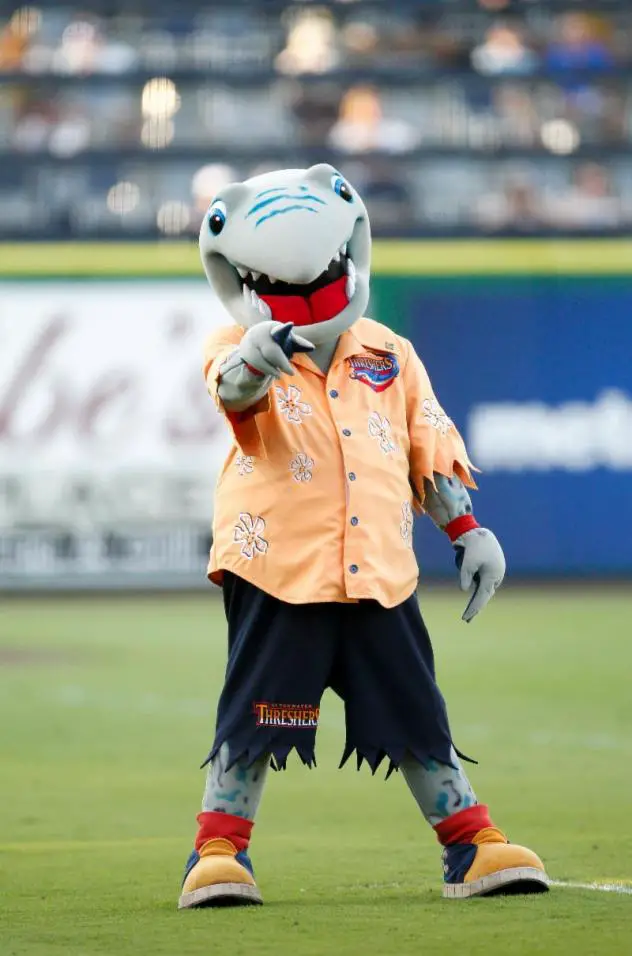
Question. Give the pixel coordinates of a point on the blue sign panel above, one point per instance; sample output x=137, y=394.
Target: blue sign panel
x=537, y=375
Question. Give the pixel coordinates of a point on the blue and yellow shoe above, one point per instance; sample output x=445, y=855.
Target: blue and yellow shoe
x=490, y=865
x=218, y=875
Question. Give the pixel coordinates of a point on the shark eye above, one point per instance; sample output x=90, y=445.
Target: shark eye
x=217, y=218
x=341, y=188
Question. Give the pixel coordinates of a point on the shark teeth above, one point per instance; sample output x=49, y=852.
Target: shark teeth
x=260, y=305
x=341, y=254
x=350, y=286
x=252, y=301
x=247, y=273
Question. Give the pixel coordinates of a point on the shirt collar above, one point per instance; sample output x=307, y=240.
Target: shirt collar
x=363, y=334
x=371, y=335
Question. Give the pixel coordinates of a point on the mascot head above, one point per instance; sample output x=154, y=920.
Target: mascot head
x=293, y=245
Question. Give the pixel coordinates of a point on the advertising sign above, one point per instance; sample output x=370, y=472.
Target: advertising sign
x=109, y=443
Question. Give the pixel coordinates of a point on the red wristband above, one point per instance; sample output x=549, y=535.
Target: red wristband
x=254, y=371
x=454, y=529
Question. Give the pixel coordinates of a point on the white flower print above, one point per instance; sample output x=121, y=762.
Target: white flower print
x=435, y=416
x=380, y=429
x=245, y=465
x=290, y=404
x=248, y=533
x=406, y=526
x=301, y=467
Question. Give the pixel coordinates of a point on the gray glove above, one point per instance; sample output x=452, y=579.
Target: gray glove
x=480, y=560
x=262, y=347
x=266, y=348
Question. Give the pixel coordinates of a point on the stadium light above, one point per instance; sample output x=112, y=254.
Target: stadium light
x=157, y=132
x=123, y=198
x=160, y=98
x=173, y=218
x=559, y=136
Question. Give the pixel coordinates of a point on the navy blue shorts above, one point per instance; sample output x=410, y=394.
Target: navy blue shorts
x=282, y=657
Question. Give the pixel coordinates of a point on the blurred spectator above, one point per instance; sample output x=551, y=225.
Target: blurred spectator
x=82, y=48
x=362, y=126
x=72, y=134
x=311, y=44
x=516, y=208
x=361, y=42
x=589, y=203
x=387, y=195
x=449, y=48
x=516, y=114
x=315, y=108
x=42, y=127
x=385, y=38
x=503, y=51
x=14, y=38
x=579, y=46
x=34, y=119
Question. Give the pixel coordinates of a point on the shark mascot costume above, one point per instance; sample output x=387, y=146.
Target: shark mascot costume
x=337, y=440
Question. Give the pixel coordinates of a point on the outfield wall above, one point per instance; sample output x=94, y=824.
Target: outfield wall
x=109, y=447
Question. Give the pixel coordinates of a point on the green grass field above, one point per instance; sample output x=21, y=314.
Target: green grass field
x=106, y=709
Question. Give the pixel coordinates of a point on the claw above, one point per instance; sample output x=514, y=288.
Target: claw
x=283, y=337
x=297, y=347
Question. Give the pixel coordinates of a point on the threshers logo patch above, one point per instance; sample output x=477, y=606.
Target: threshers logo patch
x=378, y=372
x=285, y=715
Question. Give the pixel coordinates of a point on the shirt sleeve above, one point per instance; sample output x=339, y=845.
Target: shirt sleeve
x=435, y=443
x=243, y=425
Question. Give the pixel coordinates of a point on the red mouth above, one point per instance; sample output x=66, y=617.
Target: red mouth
x=320, y=306
x=317, y=301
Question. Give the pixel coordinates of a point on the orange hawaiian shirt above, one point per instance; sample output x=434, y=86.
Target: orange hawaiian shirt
x=315, y=500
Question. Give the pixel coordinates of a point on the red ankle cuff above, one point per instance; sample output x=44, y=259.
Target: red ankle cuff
x=225, y=825
x=461, y=827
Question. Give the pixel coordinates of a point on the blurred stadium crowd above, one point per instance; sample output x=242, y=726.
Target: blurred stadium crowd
x=121, y=118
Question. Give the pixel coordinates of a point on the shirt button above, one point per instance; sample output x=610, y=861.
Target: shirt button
x=346, y=432
x=352, y=476
x=354, y=521
x=353, y=568
x=333, y=393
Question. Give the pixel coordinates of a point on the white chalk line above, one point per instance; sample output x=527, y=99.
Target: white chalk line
x=616, y=887
x=622, y=888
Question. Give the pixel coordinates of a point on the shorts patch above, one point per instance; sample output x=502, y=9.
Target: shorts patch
x=294, y=716
x=377, y=372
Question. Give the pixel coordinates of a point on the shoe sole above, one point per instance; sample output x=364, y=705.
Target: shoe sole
x=518, y=879
x=221, y=894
